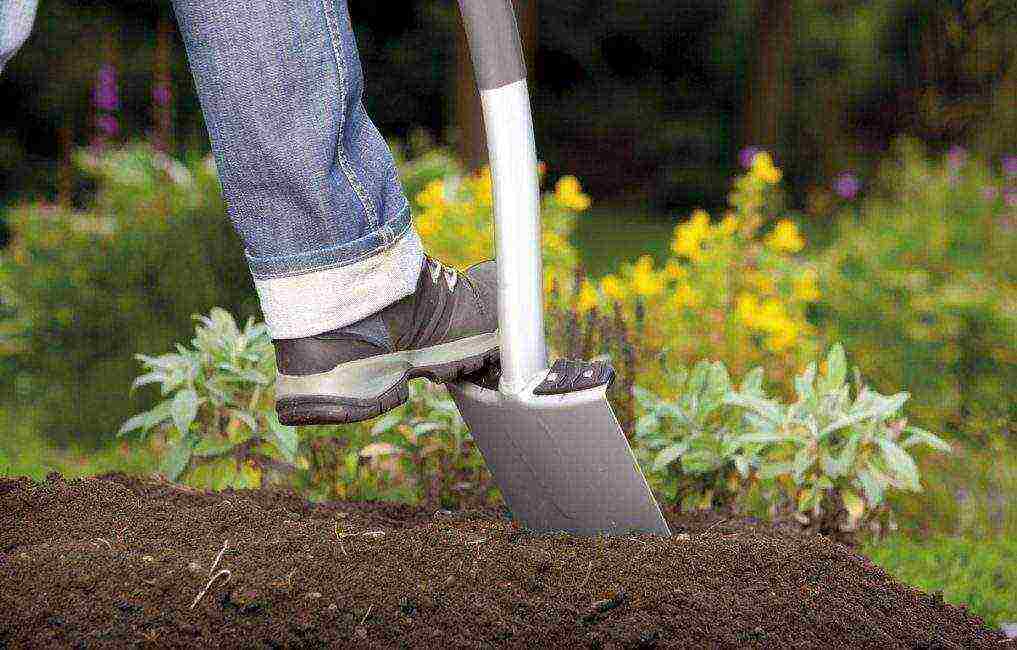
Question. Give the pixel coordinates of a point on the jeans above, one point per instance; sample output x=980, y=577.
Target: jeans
x=310, y=185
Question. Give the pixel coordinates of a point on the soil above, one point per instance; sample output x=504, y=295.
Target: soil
x=119, y=561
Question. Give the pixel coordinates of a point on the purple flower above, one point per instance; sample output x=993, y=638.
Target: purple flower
x=1010, y=197
x=161, y=94
x=956, y=157
x=847, y=185
x=108, y=125
x=1010, y=165
x=105, y=95
x=990, y=192
x=746, y=155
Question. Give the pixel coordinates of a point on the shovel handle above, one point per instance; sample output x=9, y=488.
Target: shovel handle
x=497, y=54
x=494, y=42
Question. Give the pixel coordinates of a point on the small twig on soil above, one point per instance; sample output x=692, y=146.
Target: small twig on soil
x=212, y=580
x=373, y=533
x=366, y=615
x=218, y=557
x=100, y=539
x=712, y=526
x=339, y=538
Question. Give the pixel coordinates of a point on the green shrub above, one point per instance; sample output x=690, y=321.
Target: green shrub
x=827, y=458
x=90, y=288
x=920, y=285
x=978, y=572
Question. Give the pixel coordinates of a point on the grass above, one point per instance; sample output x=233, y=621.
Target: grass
x=979, y=573
x=23, y=452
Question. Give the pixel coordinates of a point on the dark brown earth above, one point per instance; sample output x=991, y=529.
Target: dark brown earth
x=118, y=561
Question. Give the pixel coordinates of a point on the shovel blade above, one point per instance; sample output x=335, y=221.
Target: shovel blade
x=560, y=461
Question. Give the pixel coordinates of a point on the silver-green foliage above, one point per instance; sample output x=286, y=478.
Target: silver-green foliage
x=827, y=447
x=696, y=437
x=216, y=413
x=832, y=444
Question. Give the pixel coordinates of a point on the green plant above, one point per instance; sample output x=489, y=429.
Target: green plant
x=920, y=286
x=841, y=454
x=90, y=287
x=429, y=440
x=694, y=441
x=220, y=429
x=826, y=459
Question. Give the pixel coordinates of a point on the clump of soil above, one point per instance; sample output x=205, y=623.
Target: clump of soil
x=119, y=561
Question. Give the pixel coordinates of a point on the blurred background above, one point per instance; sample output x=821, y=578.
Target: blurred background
x=893, y=124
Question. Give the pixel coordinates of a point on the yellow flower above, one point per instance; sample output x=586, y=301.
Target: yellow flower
x=772, y=315
x=806, y=288
x=785, y=237
x=761, y=282
x=689, y=236
x=728, y=225
x=763, y=169
x=685, y=296
x=613, y=288
x=747, y=308
x=783, y=338
x=553, y=241
x=570, y=194
x=645, y=282
x=482, y=187
x=674, y=270
x=427, y=224
x=548, y=282
x=588, y=298
x=433, y=195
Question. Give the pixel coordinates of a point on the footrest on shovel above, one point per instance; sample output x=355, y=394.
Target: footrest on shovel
x=567, y=376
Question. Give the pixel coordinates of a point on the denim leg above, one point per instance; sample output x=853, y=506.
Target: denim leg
x=16, y=18
x=310, y=185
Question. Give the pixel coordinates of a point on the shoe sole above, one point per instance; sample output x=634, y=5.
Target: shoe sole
x=366, y=388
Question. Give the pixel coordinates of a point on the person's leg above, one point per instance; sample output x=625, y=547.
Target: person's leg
x=16, y=18
x=354, y=306
x=309, y=183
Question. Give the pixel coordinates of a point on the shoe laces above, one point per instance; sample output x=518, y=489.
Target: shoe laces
x=439, y=270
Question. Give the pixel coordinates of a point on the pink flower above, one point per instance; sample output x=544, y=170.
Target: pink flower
x=847, y=185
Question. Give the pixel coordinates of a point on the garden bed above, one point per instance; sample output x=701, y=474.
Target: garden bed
x=121, y=561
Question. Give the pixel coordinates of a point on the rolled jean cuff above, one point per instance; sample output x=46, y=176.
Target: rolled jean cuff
x=302, y=305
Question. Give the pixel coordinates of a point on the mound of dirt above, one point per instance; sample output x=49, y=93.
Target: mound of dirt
x=120, y=561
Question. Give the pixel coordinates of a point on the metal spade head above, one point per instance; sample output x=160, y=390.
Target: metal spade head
x=561, y=460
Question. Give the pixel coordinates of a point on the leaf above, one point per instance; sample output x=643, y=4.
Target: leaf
x=765, y=437
x=753, y=382
x=872, y=487
x=134, y=423
x=773, y=469
x=803, y=460
x=423, y=428
x=156, y=376
x=922, y=436
x=836, y=370
x=900, y=463
x=184, y=409
x=158, y=414
x=213, y=445
x=176, y=460
x=284, y=437
x=254, y=376
x=805, y=383
x=668, y=455
x=853, y=503
x=352, y=463
x=764, y=407
x=718, y=383
x=644, y=398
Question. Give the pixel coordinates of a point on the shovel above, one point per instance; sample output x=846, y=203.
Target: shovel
x=547, y=432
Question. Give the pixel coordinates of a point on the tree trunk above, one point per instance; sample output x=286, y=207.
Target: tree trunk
x=769, y=98
x=471, y=143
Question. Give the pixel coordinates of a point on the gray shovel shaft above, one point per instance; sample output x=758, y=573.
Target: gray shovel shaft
x=501, y=74
x=494, y=42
